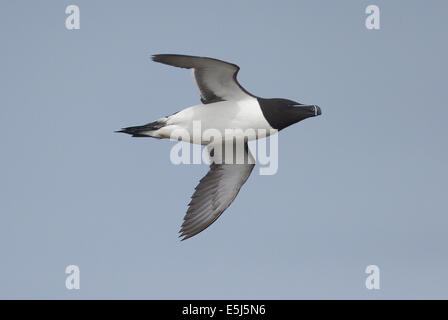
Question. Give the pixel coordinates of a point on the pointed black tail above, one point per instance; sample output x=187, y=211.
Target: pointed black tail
x=143, y=131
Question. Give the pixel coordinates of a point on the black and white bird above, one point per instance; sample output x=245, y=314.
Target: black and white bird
x=225, y=105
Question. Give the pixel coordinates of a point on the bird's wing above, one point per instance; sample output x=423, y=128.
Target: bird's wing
x=215, y=79
x=215, y=192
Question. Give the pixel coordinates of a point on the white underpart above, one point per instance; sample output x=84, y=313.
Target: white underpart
x=241, y=115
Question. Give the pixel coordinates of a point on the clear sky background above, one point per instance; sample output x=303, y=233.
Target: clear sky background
x=365, y=183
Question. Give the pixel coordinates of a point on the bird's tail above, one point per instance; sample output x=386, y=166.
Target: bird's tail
x=145, y=130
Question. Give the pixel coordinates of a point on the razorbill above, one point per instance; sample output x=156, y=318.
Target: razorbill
x=225, y=105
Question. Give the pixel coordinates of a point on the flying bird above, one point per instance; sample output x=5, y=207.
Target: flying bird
x=225, y=105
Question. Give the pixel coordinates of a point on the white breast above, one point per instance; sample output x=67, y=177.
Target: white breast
x=224, y=117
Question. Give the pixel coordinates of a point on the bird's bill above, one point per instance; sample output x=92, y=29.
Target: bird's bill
x=308, y=110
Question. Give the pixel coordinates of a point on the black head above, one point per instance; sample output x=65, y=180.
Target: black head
x=281, y=113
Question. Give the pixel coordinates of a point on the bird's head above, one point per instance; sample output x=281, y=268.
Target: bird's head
x=282, y=113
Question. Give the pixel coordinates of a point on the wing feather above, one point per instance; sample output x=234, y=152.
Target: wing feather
x=214, y=194
x=216, y=79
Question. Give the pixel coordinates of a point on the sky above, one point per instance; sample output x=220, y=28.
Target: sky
x=363, y=184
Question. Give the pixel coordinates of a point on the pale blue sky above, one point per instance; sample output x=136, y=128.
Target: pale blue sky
x=365, y=183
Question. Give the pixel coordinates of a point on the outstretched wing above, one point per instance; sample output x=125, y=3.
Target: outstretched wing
x=215, y=79
x=214, y=193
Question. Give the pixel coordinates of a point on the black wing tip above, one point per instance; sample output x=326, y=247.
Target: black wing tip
x=167, y=58
x=156, y=57
x=160, y=57
x=184, y=236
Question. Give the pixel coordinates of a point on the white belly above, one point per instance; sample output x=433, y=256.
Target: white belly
x=198, y=123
